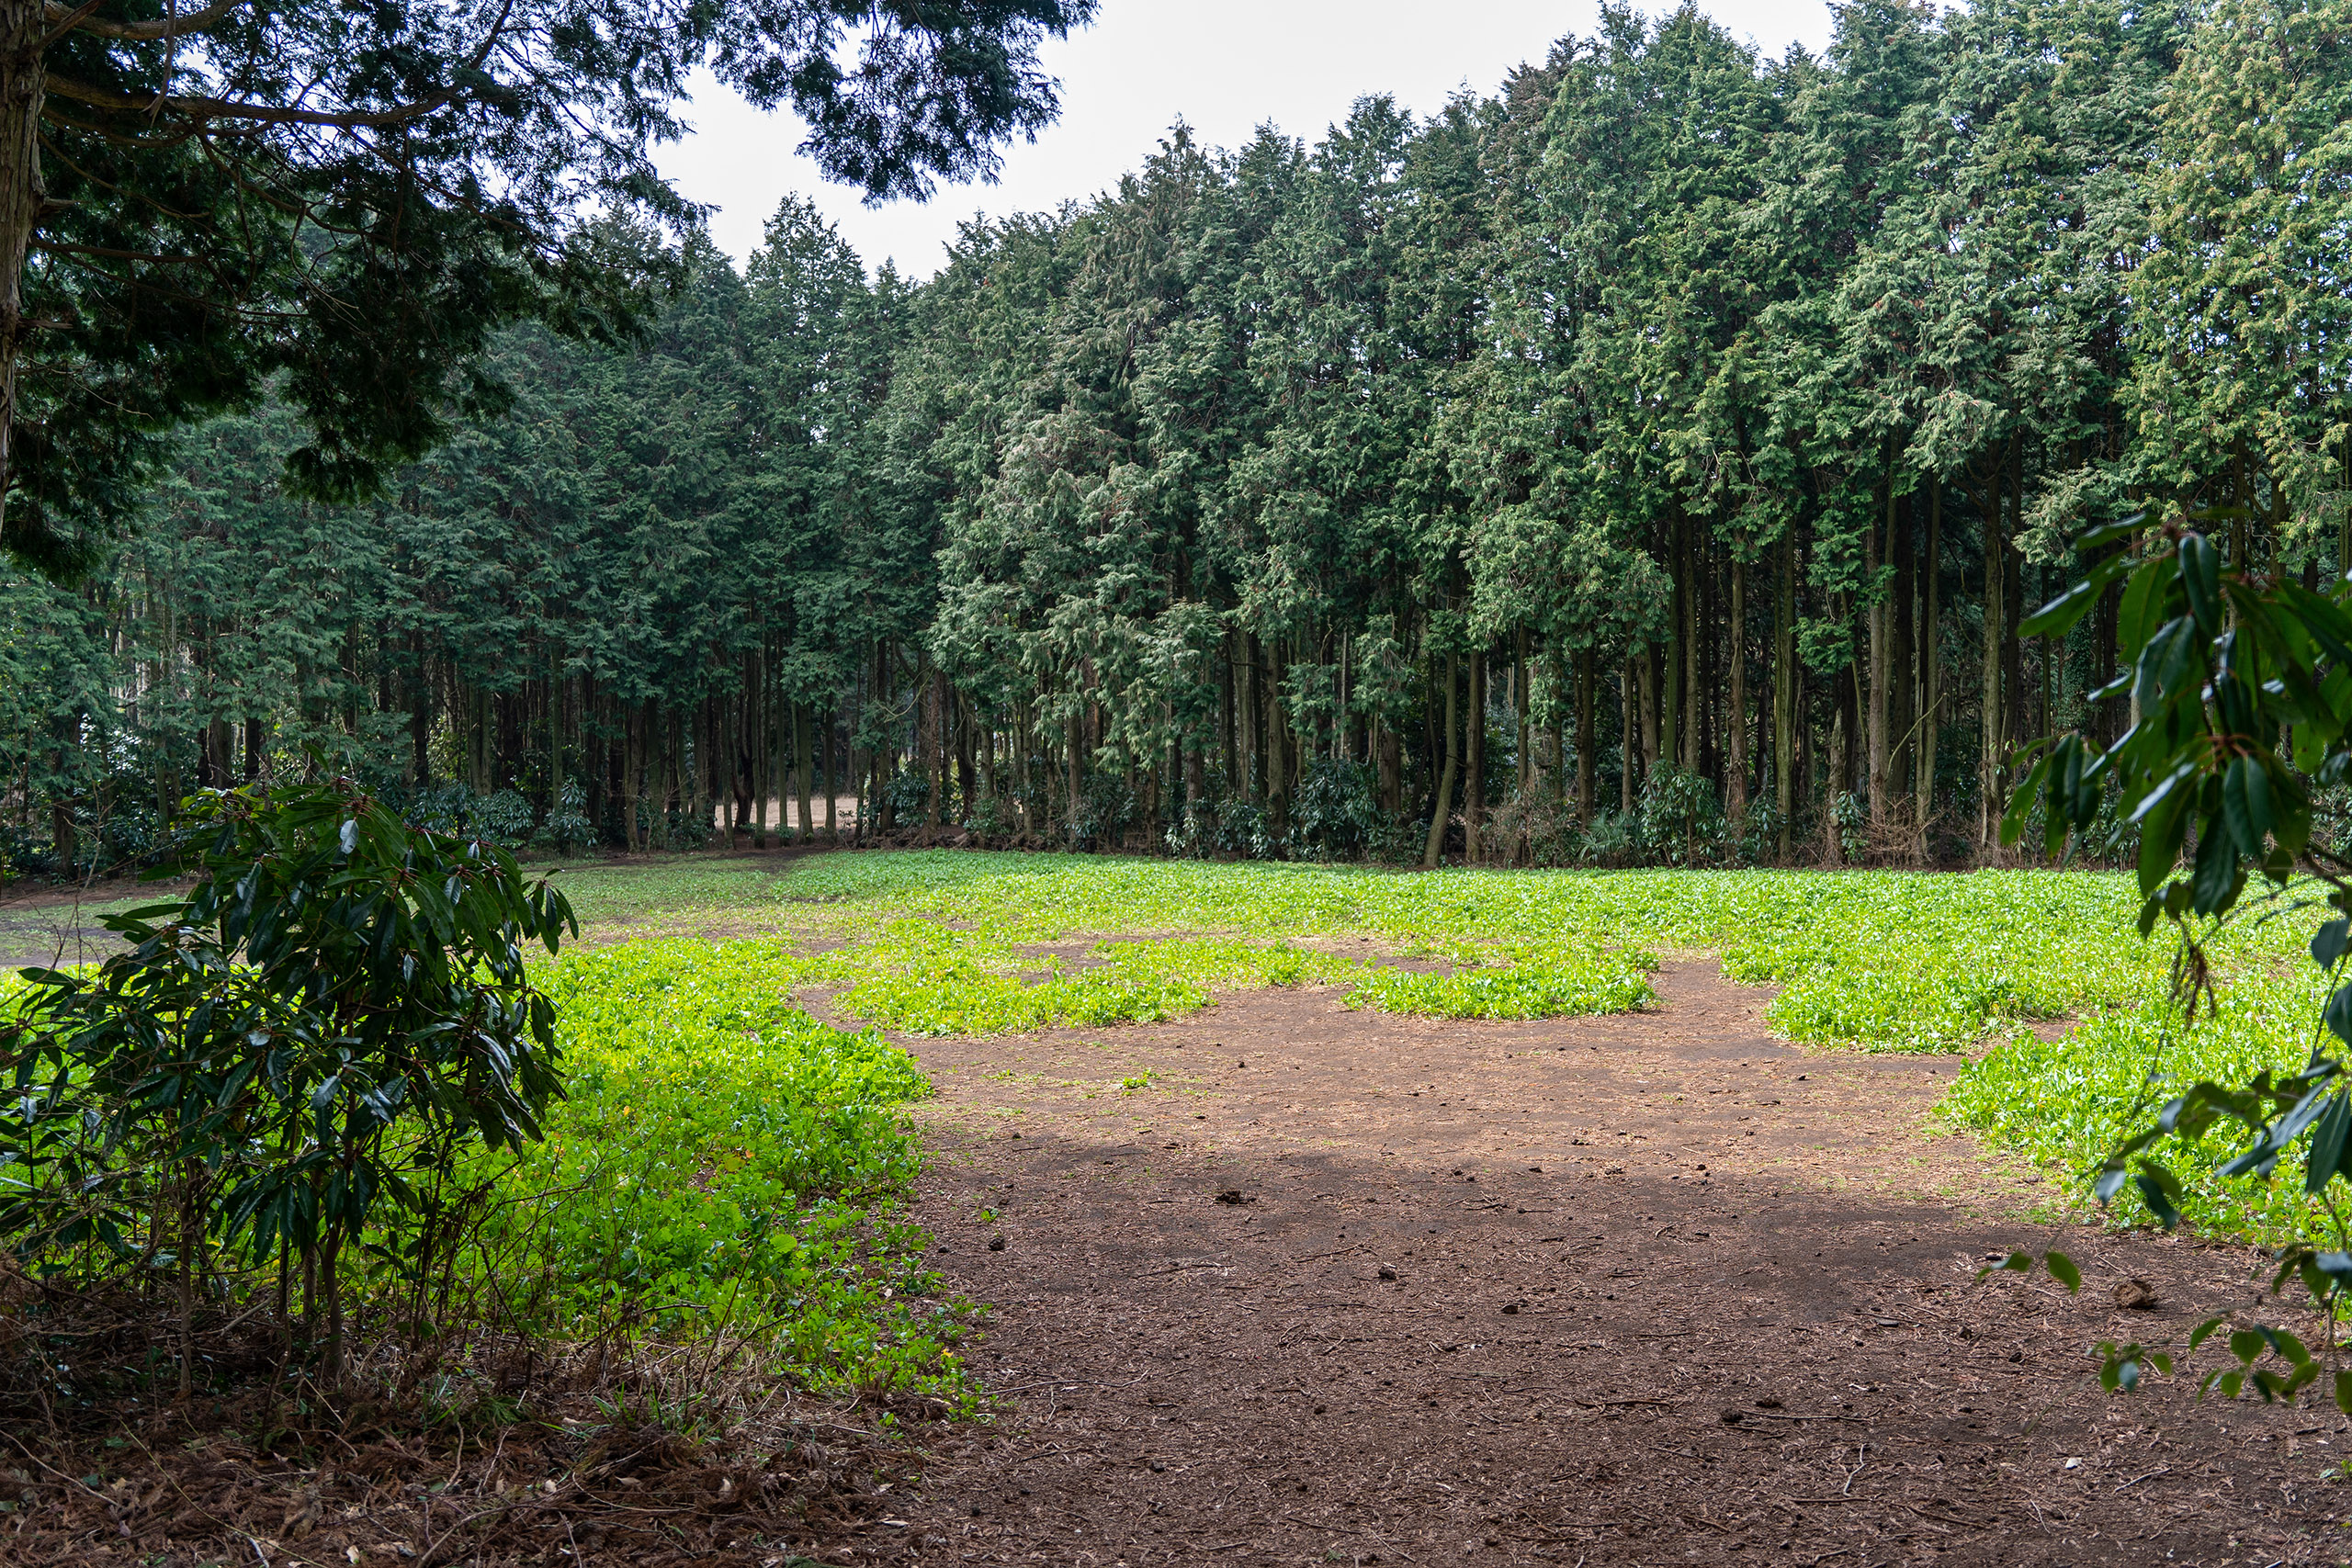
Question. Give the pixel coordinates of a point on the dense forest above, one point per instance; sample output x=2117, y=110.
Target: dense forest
x=1654, y=459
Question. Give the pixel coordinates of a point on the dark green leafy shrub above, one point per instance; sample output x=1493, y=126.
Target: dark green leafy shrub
x=1613, y=839
x=2240, y=682
x=566, y=829
x=1681, y=823
x=505, y=817
x=333, y=1014
x=1106, y=808
x=1336, y=814
x=907, y=797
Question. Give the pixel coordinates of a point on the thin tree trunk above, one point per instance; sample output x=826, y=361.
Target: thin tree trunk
x=1735, y=729
x=1389, y=747
x=965, y=783
x=1646, y=670
x=1584, y=738
x=757, y=704
x=1440, y=809
x=1930, y=662
x=1875, y=540
x=1474, y=789
x=1996, y=600
x=1277, y=744
x=1522, y=708
x=1664, y=668
x=2015, y=704
x=1075, y=742
x=632, y=748
x=1627, y=730
x=1784, y=690
x=1253, y=725
x=1693, y=732
x=800, y=760
x=1902, y=689
x=420, y=715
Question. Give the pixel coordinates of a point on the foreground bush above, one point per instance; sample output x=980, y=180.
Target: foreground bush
x=291, y=1061
x=326, y=1087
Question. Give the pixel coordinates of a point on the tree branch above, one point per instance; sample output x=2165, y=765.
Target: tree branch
x=223, y=109
x=62, y=21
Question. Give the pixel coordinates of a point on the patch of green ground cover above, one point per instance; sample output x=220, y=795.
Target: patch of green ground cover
x=1887, y=959
x=2068, y=1102
x=924, y=977
x=1521, y=979
x=932, y=942
x=722, y=1155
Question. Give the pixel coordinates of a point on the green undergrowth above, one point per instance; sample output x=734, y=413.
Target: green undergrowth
x=724, y=1161
x=1883, y=960
x=1879, y=961
x=947, y=942
x=2068, y=1102
x=922, y=976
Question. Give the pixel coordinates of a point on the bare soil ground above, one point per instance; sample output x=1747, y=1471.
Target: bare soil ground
x=1285, y=1283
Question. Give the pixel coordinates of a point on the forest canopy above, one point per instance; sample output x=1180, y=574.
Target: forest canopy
x=338, y=205
x=1655, y=457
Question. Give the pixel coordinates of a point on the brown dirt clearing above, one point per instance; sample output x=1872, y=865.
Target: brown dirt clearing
x=1343, y=1287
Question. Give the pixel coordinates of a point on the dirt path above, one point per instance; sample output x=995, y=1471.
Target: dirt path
x=1664, y=1290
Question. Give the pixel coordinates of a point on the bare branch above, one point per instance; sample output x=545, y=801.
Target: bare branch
x=62, y=21
x=156, y=104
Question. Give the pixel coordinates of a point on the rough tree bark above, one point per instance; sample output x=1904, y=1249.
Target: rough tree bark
x=1784, y=693
x=23, y=78
x=1735, y=731
x=1440, y=809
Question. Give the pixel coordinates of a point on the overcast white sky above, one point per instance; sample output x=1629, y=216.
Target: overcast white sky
x=1224, y=66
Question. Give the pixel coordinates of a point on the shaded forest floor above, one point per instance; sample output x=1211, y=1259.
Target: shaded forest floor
x=1664, y=1290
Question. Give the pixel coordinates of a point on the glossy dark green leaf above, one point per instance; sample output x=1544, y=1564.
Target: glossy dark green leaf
x=2163, y=826
x=2059, y=614
x=2214, y=882
x=2110, y=533
x=2246, y=804
x=2337, y=1013
x=2328, y=1134
x=2144, y=606
x=2200, y=574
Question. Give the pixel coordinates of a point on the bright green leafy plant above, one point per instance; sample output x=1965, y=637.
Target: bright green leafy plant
x=720, y=1157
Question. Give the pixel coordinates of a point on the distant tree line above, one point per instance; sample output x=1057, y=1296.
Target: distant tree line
x=1654, y=459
